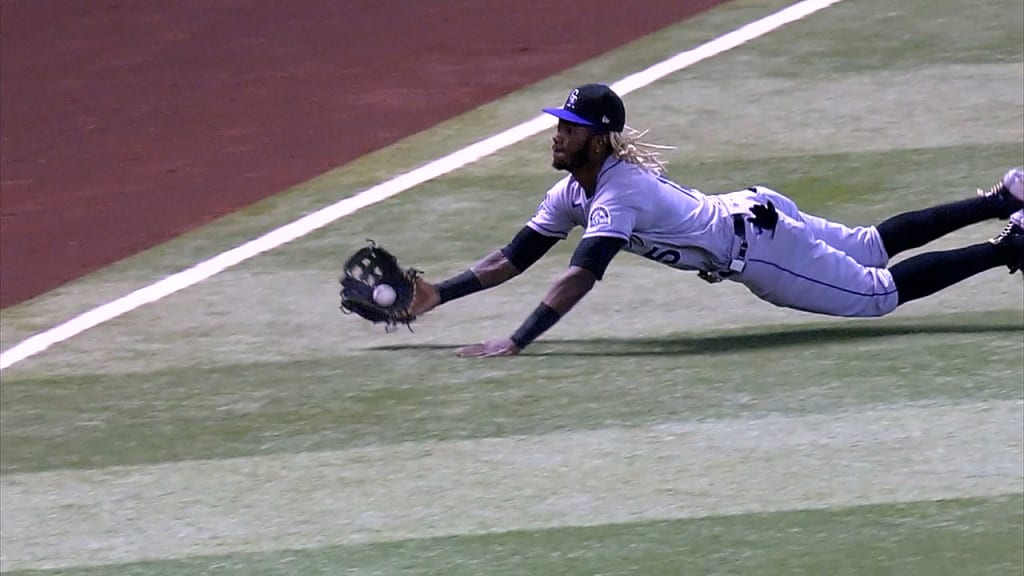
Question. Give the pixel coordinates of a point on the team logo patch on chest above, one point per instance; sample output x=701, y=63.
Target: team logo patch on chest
x=599, y=217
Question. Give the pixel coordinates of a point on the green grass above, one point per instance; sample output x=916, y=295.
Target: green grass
x=878, y=35
x=401, y=393
x=864, y=110
x=955, y=537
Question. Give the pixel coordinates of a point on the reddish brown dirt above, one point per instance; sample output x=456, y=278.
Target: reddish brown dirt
x=126, y=123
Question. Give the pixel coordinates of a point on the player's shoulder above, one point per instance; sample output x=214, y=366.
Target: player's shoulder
x=564, y=192
x=623, y=174
x=624, y=180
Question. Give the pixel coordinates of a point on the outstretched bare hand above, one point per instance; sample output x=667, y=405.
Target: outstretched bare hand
x=489, y=349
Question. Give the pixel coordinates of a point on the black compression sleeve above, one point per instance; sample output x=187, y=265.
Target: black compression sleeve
x=527, y=247
x=542, y=318
x=458, y=286
x=596, y=253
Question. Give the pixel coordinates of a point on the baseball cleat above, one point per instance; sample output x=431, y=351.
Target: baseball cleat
x=1018, y=218
x=1012, y=237
x=1010, y=186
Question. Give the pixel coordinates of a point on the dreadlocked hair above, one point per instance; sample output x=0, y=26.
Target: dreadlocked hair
x=628, y=146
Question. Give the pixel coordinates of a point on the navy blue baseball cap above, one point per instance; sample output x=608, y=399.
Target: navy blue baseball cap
x=594, y=105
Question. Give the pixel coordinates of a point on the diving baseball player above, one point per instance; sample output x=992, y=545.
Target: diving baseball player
x=758, y=237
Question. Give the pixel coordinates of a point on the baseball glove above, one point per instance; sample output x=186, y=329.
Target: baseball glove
x=368, y=268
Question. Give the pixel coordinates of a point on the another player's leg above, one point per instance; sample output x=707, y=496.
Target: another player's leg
x=915, y=229
x=928, y=273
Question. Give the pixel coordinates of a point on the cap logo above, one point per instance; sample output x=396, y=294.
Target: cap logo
x=605, y=119
x=570, y=102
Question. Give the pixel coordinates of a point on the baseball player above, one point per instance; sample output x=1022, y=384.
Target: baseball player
x=758, y=237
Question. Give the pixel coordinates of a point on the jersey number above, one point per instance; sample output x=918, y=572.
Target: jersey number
x=666, y=256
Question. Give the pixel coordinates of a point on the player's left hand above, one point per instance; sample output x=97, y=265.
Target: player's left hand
x=491, y=348
x=766, y=217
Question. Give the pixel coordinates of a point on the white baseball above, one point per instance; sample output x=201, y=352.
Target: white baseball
x=384, y=295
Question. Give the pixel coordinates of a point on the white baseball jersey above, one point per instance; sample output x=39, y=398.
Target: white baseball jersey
x=807, y=263
x=658, y=218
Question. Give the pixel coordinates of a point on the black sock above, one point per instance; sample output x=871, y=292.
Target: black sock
x=915, y=229
x=926, y=274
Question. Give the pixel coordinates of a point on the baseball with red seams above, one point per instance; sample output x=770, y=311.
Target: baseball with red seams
x=384, y=295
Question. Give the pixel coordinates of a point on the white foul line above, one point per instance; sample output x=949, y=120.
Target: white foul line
x=393, y=187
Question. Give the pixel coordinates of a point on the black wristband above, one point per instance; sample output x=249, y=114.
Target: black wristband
x=458, y=286
x=542, y=318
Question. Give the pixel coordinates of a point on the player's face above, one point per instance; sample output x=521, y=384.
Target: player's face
x=570, y=146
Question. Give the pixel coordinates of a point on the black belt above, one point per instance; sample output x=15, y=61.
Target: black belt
x=739, y=226
x=737, y=264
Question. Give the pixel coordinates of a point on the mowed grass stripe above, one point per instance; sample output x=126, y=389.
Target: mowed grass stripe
x=976, y=536
x=866, y=111
x=425, y=489
x=423, y=393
